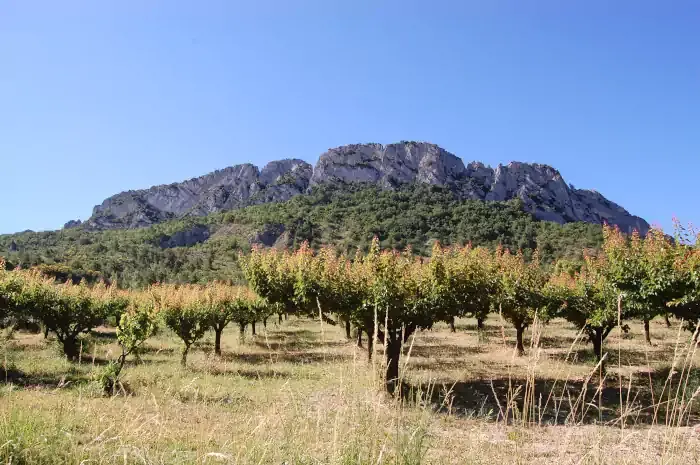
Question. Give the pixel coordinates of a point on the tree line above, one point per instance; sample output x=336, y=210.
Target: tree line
x=345, y=217
x=386, y=295
x=32, y=299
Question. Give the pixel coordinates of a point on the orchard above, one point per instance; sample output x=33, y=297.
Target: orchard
x=386, y=294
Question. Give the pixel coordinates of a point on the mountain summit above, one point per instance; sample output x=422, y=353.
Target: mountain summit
x=541, y=188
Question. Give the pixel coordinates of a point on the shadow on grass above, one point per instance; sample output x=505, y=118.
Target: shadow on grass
x=295, y=344
x=266, y=373
x=104, y=335
x=297, y=358
x=445, y=351
x=624, y=357
x=41, y=380
x=150, y=350
x=488, y=329
x=293, y=332
x=221, y=400
x=559, y=402
x=558, y=342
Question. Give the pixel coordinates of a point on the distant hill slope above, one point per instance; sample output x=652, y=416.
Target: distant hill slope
x=198, y=249
x=541, y=189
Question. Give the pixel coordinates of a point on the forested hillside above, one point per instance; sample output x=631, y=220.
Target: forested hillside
x=203, y=248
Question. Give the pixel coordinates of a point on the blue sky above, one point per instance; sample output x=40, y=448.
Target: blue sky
x=100, y=97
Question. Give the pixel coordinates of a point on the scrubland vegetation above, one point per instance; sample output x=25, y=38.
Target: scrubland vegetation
x=470, y=355
x=347, y=219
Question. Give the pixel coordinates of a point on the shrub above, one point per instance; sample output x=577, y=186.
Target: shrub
x=183, y=311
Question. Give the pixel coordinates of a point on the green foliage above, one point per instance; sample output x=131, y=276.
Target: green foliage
x=461, y=281
x=520, y=296
x=346, y=218
x=10, y=289
x=224, y=304
x=183, y=311
x=135, y=326
x=66, y=309
x=255, y=308
x=63, y=273
x=587, y=299
x=393, y=282
x=271, y=275
x=325, y=282
x=645, y=271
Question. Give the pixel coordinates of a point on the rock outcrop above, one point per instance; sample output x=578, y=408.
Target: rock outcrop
x=72, y=224
x=225, y=189
x=541, y=188
x=388, y=165
x=194, y=235
x=268, y=235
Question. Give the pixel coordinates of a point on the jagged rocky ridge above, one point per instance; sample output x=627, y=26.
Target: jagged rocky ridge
x=541, y=188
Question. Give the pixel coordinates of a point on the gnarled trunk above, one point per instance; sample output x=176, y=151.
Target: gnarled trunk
x=348, y=333
x=452, y=325
x=597, y=337
x=71, y=348
x=480, y=324
x=217, y=339
x=519, y=332
x=183, y=358
x=597, y=341
x=370, y=339
x=241, y=331
x=647, y=334
x=359, y=337
x=393, y=353
x=370, y=344
x=668, y=322
x=252, y=327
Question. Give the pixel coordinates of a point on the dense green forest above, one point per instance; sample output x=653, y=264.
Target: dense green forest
x=198, y=249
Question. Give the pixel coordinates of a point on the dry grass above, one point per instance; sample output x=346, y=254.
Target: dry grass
x=296, y=395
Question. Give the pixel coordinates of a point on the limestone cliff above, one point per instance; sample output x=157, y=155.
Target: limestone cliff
x=541, y=188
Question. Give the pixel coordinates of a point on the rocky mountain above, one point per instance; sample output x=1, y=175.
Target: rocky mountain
x=541, y=188
x=225, y=189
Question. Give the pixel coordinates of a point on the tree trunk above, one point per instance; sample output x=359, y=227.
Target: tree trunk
x=46, y=332
x=668, y=322
x=70, y=347
x=370, y=345
x=597, y=339
x=480, y=324
x=110, y=386
x=265, y=323
x=647, y=335
x=452, y=325
x=348, y=332
x=393, y=353
x=183, y=360
x=241, y=329
x=217, y=339
x=519, y=346
x=280, y=318
x=252, y=326
x=359, y=338
x=286, y=316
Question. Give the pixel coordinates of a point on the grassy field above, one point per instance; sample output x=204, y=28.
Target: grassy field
x=300, y=393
